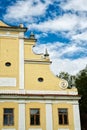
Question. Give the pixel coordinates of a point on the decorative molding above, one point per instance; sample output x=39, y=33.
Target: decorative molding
x=27, y=61
x=9, y=35
x=63, y=84
x=38, y=92
x=17, y=29
x=7, y=82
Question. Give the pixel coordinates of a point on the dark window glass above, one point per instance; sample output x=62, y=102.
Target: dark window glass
x=34, y=116
x=37, y=119
x=8, y=64
x=40, y=79
x=60, y=119
x=65, y=119
x=63, y=116
x=8, y=116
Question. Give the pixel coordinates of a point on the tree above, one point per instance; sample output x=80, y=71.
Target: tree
x=81, y=84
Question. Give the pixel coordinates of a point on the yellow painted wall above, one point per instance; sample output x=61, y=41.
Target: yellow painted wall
x=70, y=126
x=34, y=71
x=9, y=105
x=9, y=52
x=28, y=50
x=41, y=106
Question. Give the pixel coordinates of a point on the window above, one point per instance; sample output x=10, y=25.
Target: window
x=63, y=116
x=40, y=79
x=34, y=116
x=7, y=64
x=8, y=116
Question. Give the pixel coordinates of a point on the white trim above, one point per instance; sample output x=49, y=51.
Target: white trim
x=22, y=91
x=9, y=35
x=76, y=115
x=21, y=116
x=63, y=101
x=49, y=119
x=21, y=61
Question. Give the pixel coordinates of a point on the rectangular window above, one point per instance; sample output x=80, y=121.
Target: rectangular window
x=8, y=117
x=63, y=116
x=34, y=116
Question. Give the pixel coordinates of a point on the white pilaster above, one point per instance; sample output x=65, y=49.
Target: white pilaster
x=49, y=120
x=21, y=60
x=76, y=116
x=21, y=116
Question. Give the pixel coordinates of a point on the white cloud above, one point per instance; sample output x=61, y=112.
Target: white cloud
x=77, y=5
x=56, y=50
x=63, y=23
x=71, y=25
x=25, y=10
x=66, y=65
x=81, y=36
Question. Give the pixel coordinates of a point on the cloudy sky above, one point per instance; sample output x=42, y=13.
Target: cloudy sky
x=59, y=25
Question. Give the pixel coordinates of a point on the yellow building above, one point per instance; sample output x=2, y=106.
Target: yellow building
x=31, y=97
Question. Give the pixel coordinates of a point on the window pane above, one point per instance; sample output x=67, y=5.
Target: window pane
x=34, y=116
x=37, y=120
x=60, y=119
x=8, y=116
x=32, y=119
x=63, y=116
x=7, y=110
x=65, y=119
x=62, y=110
x=11, y=120
x=34, y=111
x=5, y=120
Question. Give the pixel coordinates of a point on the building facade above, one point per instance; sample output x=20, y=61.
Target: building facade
x=31, y=97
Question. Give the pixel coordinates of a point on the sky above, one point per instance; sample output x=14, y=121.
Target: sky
x=58, y=25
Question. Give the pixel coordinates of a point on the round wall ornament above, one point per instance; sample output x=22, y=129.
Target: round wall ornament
x=63, y=84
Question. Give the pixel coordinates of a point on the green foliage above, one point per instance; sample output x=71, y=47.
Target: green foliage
x=81, y=84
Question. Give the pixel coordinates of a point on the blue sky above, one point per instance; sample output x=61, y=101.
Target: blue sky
x=59, y=25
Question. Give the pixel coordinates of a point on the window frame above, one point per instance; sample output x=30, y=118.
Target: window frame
x=9, y=115
x=35, y=117
x=63, y=116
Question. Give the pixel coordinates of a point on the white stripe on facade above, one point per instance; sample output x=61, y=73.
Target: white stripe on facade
x=21, y=116
x=21, y=61
x=9, y=35
x=76, y=115
x=49, y=119
x=22, y=91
